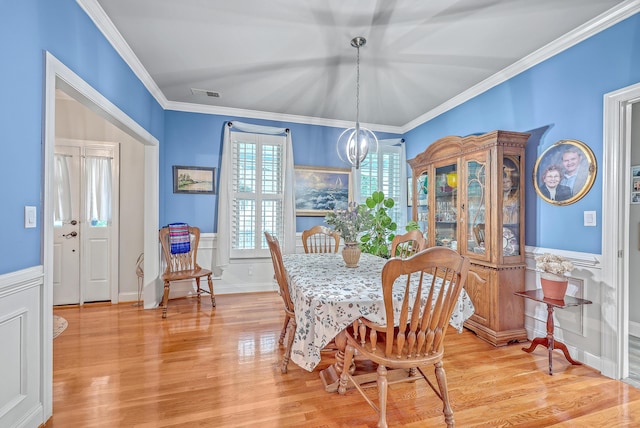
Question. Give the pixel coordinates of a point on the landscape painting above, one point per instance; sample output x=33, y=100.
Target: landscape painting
x=194, y=179
x=320, y=190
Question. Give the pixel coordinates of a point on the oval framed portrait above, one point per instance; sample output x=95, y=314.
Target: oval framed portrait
x=564, y=172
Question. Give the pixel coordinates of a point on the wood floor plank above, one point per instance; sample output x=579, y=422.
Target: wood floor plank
x=122, y=366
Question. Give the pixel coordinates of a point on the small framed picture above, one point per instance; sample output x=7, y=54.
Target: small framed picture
x=194, y=179
x=564, y=172
x=635, y=184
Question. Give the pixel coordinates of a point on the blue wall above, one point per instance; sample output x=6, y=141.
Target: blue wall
x=28, y=28
x=196, y=139
x=561, y=98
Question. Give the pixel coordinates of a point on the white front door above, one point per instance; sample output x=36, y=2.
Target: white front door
x=85, y=224
x=66, y=240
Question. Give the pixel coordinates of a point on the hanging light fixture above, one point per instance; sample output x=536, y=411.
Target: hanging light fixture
x=355, y=143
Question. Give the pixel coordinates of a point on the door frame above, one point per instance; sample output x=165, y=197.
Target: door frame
x=58, y=75
x=616, y=191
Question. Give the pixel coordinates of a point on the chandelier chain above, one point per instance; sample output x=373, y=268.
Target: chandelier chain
x=358, y=85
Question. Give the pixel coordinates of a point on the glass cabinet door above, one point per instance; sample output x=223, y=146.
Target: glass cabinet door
x=475, y=220
x=511, y=205
x=421, y=200
x=446, y=206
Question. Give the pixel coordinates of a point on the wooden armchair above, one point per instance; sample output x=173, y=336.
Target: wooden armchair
x=320, y=239
x=182, y=266
x=414, y=338
x=289, y=327
x=406, y=245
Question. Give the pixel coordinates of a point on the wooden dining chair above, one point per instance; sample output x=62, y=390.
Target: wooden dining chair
x=320, y=239
x=182, y=265
x=289, y=327
x=406, y=245
x=438, y=273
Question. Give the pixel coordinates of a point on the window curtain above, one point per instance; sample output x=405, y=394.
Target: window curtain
x=98, y=189
x=225, y=191
x=62, y=189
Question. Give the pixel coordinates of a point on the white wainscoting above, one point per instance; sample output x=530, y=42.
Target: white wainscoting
x=580, y=327
x=21, y=338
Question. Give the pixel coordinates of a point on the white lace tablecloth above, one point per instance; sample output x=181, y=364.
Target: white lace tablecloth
x=328, y=297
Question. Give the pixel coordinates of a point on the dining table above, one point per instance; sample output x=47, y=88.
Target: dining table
x=328, y=297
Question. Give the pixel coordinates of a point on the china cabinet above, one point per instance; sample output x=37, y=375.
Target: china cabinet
x=468, y=194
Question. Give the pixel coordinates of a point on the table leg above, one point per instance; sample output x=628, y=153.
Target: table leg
x=331, y=375
x=550, y=343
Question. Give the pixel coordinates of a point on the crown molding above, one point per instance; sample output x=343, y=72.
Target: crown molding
x=99, y=17
x=277, y=117
x=599, y=23
x=605, y=20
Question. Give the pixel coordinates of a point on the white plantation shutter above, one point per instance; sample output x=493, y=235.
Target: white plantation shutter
x=258, y=192
x=386, y=171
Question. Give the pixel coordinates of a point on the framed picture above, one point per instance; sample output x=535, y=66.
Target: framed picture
x=194, y=179
x=635, y=184
x=565, y=172
x=320, y=190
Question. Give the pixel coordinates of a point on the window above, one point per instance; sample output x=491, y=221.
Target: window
x=386, y=171
x=258, y=192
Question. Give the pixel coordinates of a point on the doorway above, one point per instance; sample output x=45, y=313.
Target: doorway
x=60, y=77
x=85, y=248
x=617, y=239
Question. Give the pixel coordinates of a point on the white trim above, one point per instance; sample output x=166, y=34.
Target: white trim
x=615, y=228
x=56, y=73
x=97, y=14
x=277, y=117
x=605, y=20
x=15, y=282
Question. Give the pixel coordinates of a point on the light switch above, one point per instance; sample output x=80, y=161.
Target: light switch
x=29, y=216
x=589, y=218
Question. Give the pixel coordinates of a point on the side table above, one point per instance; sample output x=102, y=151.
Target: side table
x=549, y=341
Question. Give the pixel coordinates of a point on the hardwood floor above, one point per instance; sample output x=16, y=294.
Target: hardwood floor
x=122, y=366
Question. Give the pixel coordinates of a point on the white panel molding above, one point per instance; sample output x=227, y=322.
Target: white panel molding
x=577, y=327
x=19, y=281
x=22, y=330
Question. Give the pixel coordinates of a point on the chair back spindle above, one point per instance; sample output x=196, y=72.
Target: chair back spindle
x=320, y=239
x=406, y=245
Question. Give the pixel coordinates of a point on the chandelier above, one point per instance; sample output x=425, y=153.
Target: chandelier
x=355, y=143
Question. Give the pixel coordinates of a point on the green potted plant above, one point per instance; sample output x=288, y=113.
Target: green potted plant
x=382, y=228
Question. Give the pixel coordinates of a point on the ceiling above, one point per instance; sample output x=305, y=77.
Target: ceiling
x=294, y=57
